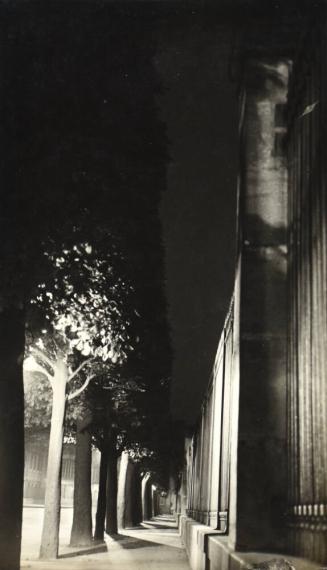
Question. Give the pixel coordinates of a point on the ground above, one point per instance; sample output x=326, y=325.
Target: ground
x=154, y=545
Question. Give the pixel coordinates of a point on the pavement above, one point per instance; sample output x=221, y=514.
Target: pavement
x=155, y=545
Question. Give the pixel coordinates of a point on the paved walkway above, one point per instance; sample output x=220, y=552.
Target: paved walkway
x=153, y=546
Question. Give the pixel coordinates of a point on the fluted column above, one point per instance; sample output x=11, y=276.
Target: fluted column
x=258, y=463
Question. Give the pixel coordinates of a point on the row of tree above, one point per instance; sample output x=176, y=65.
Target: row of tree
x=114, y=415
x=82, y=168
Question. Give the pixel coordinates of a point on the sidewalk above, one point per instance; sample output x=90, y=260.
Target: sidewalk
x=154, y=545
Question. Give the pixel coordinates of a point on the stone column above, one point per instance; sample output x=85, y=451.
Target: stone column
x=258, y=463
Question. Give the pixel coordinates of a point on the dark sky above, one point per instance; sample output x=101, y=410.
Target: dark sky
x=201, y=51
x=200, y=107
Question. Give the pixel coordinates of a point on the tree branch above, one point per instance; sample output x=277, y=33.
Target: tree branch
x=81, y=389
x=38, y=368
x=43, y=356
x=79, y=368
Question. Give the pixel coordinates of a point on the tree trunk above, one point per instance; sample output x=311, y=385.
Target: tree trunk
x=136, y=496
x=155, y=509
x=112, y=485
x=81, y=534
x=12, y=340
x=146, y=498
x=129, y=493
x=50, y=532
x=101, y=505
x=122, y=484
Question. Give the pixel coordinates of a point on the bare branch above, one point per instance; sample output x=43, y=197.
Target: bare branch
x=43, y=356
x=81, y=389
x=79, y=368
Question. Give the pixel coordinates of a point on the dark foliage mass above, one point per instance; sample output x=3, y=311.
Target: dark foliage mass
x=85, y=157
x=84, y=145
x=83, y=161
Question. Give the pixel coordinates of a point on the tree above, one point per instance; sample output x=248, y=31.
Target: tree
x=38, y=406
x=81, y=533
x=11, y=434
x=85, y=313
x=61, y=175
x=102, y=494
x=128, y=415
x=109, y=397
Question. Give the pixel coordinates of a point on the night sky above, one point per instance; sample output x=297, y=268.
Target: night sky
x=200, y=107
x=197, y=60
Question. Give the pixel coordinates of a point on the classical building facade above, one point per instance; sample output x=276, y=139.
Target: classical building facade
x=256, y=474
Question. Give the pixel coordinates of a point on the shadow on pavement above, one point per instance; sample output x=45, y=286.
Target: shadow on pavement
x=129, y=542
x=125, y=541
x=98, y=549
x=159, y=524
x=165, y=519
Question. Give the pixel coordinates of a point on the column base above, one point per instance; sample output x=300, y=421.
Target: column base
x=209, y=550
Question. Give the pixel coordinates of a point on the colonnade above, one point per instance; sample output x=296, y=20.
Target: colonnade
x=307, y=308
x=208, y=452
x=256, y=464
